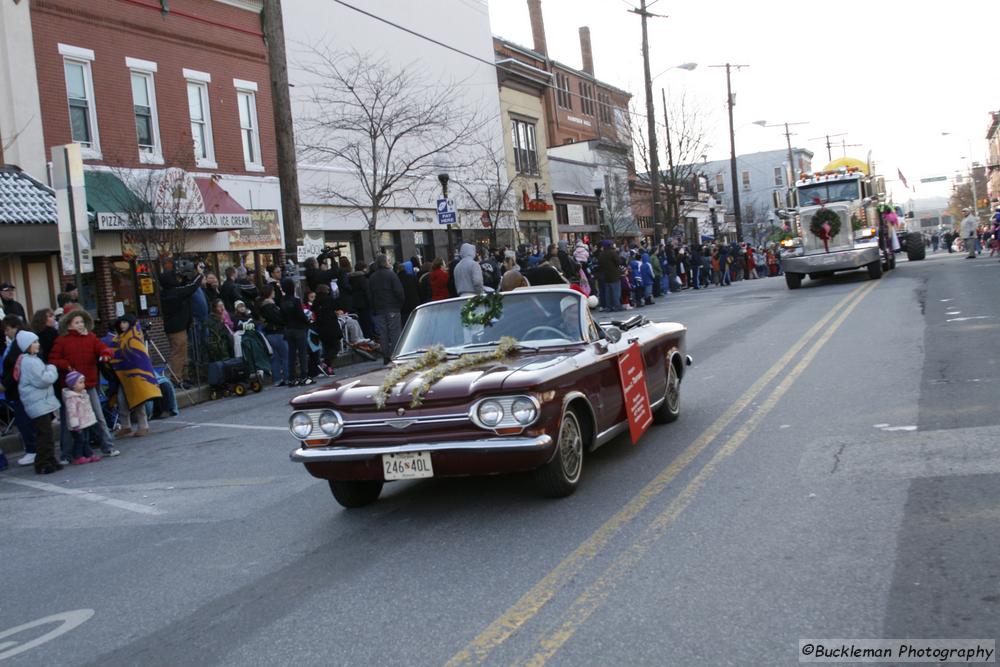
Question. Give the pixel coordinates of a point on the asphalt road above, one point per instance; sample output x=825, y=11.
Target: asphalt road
x=835, y=473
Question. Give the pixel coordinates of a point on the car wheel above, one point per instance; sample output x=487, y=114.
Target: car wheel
x=793, y=280
x=875, y=270
x=256, y=386
x=670, y=409
x=240, y=389
x=356, y=493
x=915, y=249
x=560, y=476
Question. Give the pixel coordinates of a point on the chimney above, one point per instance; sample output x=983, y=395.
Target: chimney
x=537, y=26
x=586, y=52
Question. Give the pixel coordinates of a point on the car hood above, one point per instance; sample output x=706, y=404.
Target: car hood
x=483, y=378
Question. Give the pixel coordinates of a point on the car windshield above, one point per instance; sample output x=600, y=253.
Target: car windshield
x=532, y=318
x=824, y=193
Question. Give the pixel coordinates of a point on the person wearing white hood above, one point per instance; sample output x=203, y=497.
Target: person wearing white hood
x=34, y=382
x=468, y=273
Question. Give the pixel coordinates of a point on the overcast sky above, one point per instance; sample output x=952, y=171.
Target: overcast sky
x=891, y=74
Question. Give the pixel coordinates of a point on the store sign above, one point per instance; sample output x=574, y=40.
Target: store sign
x=121, y=222
x=263, y=234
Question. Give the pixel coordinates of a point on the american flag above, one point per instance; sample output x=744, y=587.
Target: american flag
x=902, y=178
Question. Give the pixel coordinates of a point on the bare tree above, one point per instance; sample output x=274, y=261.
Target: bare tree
x=688, y=143
x=386, y=128
x=756, y=219
x=486, y=188
x=618, y=216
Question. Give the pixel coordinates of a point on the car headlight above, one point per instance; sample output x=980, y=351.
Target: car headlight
x=300, y=425
x=331, y=423
x=524, y=411
x=490, y=413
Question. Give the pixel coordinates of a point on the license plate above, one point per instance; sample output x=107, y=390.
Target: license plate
x=407, y=466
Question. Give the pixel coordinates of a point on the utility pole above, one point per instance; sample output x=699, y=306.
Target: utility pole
x=281, y=105
x=829, y=144
x=672, y=213
x=654, y=162
x=732, y=150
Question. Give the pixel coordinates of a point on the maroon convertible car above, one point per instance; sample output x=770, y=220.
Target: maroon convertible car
x=534, y=390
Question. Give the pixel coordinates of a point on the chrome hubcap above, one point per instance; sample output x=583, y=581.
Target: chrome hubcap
x=673, y=388
x=570, y=447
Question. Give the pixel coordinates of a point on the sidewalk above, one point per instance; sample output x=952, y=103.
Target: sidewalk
x=346, y=367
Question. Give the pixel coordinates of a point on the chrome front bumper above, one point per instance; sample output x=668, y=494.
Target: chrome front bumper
x=844, y=260
x=484, y=445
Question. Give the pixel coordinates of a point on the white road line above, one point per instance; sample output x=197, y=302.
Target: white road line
x=249, y=427
x=85, y=495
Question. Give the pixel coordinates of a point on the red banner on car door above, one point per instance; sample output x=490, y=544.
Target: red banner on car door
x=632, y=372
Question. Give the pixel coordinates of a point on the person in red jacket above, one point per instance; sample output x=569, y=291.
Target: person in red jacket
x=439, y=280
x=78, y=349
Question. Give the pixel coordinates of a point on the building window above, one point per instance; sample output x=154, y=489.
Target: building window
x=586, y=98
x=777, y=175
x=525, y=155
x=562, y=214
x=563, y=96
x=604, y=107
x=80, y=98
x=390, y=246
x=591, y=215
x=745, y=179
x=720, y=183
x=246, y=100
x=201, y=119
x=147, y=131
x=423, y=242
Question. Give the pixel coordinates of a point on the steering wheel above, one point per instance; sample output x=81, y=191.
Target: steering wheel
x=543, y=328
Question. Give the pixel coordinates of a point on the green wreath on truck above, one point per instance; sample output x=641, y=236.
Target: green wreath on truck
x=825, y=225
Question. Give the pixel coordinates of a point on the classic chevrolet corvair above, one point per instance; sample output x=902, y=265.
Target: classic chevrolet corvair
x=535, y=389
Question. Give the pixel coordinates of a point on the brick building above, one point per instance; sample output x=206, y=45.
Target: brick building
x=174, y=95
x=579, y=109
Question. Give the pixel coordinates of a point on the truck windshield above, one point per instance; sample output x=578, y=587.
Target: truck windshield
x=823, y=193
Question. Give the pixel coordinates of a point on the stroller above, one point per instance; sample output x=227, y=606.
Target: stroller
x=246, y=371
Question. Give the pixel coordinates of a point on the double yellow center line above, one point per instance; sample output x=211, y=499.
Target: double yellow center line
x=531, y=603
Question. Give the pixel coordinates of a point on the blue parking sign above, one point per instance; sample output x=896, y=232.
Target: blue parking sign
x=446, y=211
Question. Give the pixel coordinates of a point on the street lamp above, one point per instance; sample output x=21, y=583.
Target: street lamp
x=684, y=66
x=791, y=157
x=443, y=179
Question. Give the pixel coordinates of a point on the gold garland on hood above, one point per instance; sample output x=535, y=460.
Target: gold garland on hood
x=431, y=359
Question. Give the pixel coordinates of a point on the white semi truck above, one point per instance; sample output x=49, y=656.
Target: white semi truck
x=839, y=223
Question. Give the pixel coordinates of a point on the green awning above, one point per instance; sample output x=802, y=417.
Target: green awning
x=107, y=194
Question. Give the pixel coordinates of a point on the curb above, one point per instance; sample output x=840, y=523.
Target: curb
x=186, y=398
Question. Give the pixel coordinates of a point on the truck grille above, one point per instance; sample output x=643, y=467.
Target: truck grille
x=843, y=240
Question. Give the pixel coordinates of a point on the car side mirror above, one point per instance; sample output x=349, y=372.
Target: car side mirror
x=613, y=334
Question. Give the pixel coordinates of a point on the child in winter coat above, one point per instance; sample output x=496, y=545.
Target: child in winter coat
x=78, y=349
x=34, y=380
x=648, y=276
x=82, y=419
